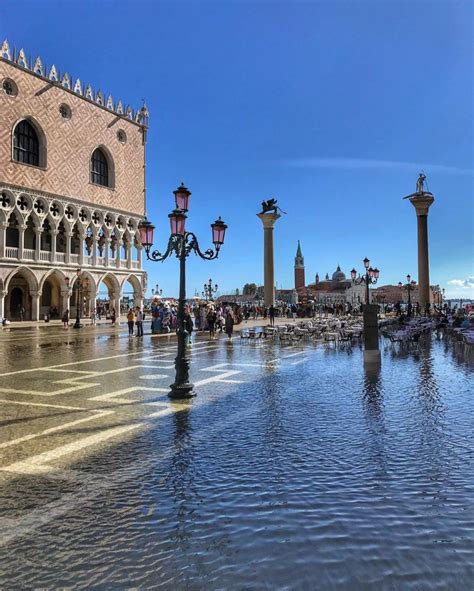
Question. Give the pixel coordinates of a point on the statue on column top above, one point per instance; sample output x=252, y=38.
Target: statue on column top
x=420, y=182
x=271, y=206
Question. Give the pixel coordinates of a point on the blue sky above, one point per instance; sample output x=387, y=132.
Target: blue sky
x=332, y=107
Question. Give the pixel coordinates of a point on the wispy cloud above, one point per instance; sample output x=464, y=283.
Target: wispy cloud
x=467, y=283
x=368, y=164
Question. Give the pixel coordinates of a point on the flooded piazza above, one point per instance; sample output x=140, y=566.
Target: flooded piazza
x=292, y=468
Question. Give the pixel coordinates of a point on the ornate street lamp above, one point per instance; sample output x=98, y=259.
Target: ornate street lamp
x=409, y=286
x=82, y=283
x=182, y=243
x=156, y=291
x=370, y=278
x=209, y=290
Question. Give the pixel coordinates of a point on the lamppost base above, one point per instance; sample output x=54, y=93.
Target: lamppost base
x=180, y=391
x=77, y=325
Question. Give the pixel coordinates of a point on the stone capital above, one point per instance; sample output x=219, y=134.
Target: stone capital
x=421, y=202
x=268, y=219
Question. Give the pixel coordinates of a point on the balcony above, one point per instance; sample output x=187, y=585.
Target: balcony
x=46, y=256
x=11, y=252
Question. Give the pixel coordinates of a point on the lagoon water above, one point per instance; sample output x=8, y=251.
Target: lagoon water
x=310, y=473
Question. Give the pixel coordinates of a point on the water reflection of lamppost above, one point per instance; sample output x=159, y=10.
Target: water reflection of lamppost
x=371, y=277
x=82, y=283
x=182, y=244
x=209, y=290
x=410, y=286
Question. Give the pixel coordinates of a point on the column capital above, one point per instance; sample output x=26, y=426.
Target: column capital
x=268, y=219
x=421, y=202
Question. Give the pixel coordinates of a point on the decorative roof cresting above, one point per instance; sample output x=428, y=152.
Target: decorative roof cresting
x=39, y=68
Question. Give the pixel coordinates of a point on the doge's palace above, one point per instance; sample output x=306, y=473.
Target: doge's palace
x=72, y=191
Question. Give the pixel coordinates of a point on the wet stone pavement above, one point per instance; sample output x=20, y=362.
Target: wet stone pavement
x=293, y=468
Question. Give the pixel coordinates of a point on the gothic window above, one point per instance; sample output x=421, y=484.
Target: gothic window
x=26, y=146
x=99, y=168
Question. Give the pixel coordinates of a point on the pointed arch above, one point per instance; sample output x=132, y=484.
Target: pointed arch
x=26, y=273
x=29, y=145
x=102, y=168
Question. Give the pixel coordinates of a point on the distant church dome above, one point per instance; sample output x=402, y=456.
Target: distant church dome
x=338, y=275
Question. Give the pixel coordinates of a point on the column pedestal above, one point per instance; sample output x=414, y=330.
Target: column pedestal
x=371, y=334
x=268, y=221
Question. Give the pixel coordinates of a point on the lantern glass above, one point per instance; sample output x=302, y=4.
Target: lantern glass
x=400, y=284
x=370, y=271
x=181, y=196
x=408, y=278
x=353, y=274
x=376, y=273
x=177, y=222
x=218, y=232
x=366, y=262
x=146, y=230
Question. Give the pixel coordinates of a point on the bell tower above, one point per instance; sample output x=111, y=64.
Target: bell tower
x=299, y=268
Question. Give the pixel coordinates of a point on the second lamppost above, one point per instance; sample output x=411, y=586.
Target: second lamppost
x=156, y=291
x=182, y=244
x=371, y=276
x=410, y=286
x=81, y=283
x=209, y=290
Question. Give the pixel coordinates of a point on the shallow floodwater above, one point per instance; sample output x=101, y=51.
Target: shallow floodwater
x=310, y=473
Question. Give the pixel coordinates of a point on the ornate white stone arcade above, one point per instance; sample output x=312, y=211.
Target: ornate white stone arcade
x=44, y=239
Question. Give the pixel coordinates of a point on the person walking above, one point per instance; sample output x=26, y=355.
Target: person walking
x=271, y=315
x=65, y=319
x=139, y=321
x=130, y=321
x=211, y=322
x=113, y=316
x=229, y=324
x=188, y=324
x=93, y=317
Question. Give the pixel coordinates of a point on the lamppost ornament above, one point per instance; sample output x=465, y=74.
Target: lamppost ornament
x=209, y=290
x=370, y=278
x=181, y=243
x=156, y=291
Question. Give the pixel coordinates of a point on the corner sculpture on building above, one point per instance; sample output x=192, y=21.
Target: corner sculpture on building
x=72, y=191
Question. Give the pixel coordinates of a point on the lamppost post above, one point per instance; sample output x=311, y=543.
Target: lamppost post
x=181, y=243
x=78, y=324
x=370, y=314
